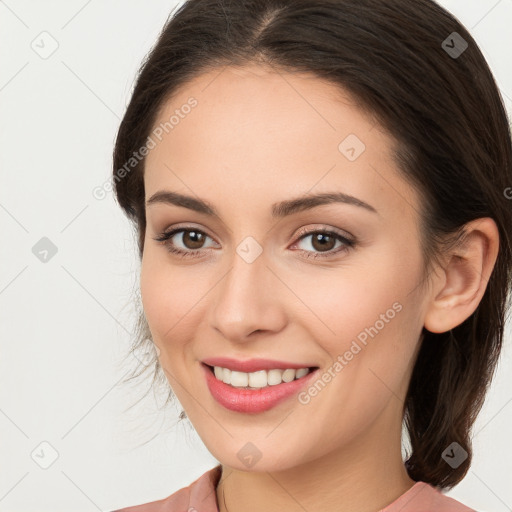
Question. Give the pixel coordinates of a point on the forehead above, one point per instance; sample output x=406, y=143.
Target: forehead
x=253, y=134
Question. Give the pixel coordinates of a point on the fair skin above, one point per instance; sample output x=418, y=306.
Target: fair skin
x=257, y=137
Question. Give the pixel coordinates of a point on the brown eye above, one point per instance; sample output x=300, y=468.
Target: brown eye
x=193, y=239
x=189, y=244
x=322, y=242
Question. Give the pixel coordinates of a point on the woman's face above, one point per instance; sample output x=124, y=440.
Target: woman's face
x=262, y=282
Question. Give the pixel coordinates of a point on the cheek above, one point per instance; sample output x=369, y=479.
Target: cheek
x=367, y=315
x=159, y=294
x=171, y=298
x=341, y=303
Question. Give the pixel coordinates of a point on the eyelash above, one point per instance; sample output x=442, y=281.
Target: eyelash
x=166, y=236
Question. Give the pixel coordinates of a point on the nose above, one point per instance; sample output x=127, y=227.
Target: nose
x=248, y=299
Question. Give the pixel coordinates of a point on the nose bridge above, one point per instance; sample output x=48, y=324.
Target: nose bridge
x=245, y=299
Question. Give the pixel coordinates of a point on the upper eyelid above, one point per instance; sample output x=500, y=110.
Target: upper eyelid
x=178, y=229
x=306, y=231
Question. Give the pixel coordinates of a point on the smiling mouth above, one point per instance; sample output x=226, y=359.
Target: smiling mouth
x=259, y=379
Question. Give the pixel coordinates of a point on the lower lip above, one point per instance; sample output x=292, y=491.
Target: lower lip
x=253, y=400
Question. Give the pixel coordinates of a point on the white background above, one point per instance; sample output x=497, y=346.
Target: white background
x=65, y=323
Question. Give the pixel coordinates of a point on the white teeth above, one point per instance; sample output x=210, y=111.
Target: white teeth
x=239, y=379
x=259, y=379
x=301, y=372
x=227, y=376
x=288, y=375
x=274, y=377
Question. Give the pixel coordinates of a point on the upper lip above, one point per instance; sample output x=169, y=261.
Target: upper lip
x=253, y=365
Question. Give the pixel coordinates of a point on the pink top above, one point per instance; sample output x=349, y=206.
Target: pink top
x=200, y=496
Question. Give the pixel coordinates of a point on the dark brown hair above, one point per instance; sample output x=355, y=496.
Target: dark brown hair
x=453, y=140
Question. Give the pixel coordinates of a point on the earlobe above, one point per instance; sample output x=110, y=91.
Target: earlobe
x=465, y=277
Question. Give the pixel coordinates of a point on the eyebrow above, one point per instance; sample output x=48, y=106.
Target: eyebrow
x=279, y=210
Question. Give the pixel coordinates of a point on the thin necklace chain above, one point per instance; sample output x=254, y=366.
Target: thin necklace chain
x=224, y=499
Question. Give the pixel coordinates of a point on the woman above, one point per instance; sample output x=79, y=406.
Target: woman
x=320, y=193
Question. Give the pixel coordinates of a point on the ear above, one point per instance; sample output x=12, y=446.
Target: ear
x=459, y=287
